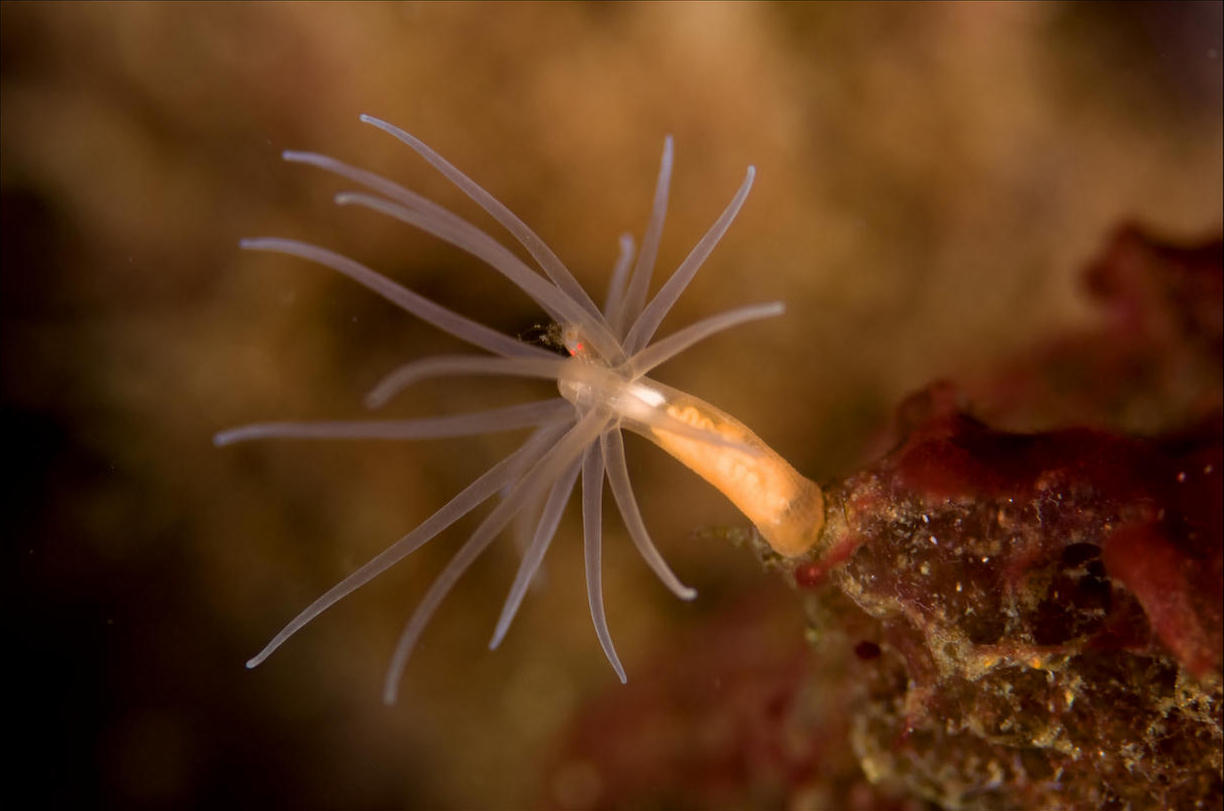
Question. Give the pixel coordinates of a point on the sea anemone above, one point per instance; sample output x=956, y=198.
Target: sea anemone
x=603, y=388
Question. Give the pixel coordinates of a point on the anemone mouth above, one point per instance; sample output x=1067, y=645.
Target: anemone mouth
x=602, y=383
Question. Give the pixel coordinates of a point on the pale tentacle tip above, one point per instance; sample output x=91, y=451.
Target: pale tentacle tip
x=498, y=635
x=379, y=395
x=227, y=437
x=617, y=667
x=374, y=120
x=375, y=400
x=391, y=691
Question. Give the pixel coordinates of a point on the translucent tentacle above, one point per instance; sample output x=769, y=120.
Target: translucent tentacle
x=522, y=529
x=620, y=272
x=618, y=477
x=449, y=365
x=489, y=250
x=522, y=415
x=644, y=268
x=592, y=535
x=644, y=328
x=467, y=500
x=541, y=476
x=662, y=351
x=446, y=320
x=545, y=531
x=447, y=226
x=552, y=266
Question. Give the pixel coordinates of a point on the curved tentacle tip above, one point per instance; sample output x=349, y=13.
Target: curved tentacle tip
x=375, y=121
x=259, y=658
x=232, y=436
x=378, y=396
x=390, y=694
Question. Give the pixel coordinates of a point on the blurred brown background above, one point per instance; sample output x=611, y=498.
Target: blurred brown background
x=931, y=180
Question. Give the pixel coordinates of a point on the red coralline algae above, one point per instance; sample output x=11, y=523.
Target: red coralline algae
x=1185, y=617
x=1151, y=510
x=1048, y=605
x=1047, y=609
